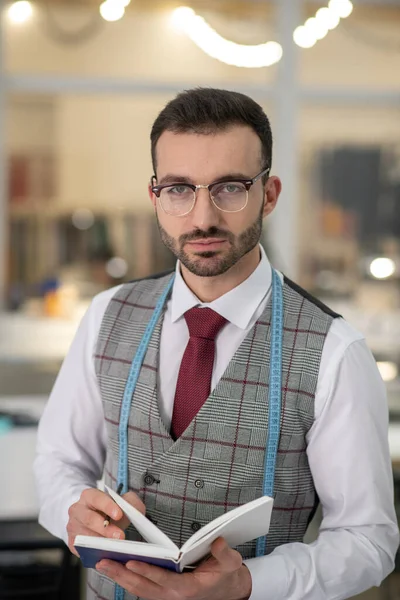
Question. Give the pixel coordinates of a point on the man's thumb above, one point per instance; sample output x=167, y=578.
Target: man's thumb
x=229, y=559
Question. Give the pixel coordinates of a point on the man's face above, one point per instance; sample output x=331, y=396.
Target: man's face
x=209, y=241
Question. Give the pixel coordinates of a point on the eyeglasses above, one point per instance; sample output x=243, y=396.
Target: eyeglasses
x=178, y=199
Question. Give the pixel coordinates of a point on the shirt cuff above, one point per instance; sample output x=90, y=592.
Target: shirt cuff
x=54, y=516
x=269, y=577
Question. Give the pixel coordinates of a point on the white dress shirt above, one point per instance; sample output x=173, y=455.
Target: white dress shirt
x=347, y=449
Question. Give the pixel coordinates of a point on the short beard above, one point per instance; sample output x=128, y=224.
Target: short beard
x=210, y=264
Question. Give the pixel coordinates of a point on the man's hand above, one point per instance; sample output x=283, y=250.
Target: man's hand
x=86, y=517
x=222, y=577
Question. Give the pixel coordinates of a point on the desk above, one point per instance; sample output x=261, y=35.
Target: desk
x=18, y=498
x=43, y=339
x=21, y=536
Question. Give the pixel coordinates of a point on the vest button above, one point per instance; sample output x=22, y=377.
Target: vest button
x=149, y=479
x=195, y=526
x=199, y=483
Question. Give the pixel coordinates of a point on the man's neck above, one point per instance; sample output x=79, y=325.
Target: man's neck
x=208, y=289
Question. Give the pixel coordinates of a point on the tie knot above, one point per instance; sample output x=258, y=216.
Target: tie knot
x=204, y=322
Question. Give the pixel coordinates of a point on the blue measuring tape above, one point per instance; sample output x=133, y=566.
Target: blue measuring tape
x=275, y=396
x=131, y=385
x=127, y=400
x=275, y=380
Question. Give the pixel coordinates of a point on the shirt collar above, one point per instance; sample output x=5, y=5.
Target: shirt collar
x=247, y=296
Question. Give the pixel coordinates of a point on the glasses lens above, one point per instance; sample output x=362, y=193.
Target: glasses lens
x=177, y=199
x=230, y=195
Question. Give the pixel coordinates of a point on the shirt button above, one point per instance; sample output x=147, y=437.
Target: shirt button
x=195, y=526
x=149, y=479
x=199, y=483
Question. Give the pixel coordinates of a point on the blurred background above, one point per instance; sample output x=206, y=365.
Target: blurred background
x=80, y=84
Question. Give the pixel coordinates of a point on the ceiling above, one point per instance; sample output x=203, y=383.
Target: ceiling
x=209, y=3
x=239, y=8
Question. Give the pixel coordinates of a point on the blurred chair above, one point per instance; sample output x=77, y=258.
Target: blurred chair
x=28, y=566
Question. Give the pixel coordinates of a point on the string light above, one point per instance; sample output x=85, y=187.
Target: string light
x=317, y=29
x=112, y=10
x=20, y=12
x=326, y=19
x=304, y=37
x=213, y=44
x=343, y=8
x=262, y=55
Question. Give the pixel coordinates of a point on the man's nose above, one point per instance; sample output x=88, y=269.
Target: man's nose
x=205, y=214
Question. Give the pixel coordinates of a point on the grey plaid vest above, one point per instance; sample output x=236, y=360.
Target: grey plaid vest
x=218, y=463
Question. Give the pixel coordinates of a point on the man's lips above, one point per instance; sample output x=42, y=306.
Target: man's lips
x=207, y=244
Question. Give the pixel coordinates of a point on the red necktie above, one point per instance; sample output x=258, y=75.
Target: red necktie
x=194, y=379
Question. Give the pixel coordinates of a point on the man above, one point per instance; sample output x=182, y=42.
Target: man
x=166, y=390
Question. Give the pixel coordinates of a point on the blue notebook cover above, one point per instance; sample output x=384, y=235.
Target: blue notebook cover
x=91, y=556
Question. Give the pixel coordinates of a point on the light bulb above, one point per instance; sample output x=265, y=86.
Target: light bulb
x=382, y=268
x=327, y=18
x=342, y=8
x=182, y=17
x=316, y=28
x=208, y=40
x=304, y=37
x=112, y=11
x=20, y=12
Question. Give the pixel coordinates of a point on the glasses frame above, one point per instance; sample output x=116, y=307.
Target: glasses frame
x=157, y=189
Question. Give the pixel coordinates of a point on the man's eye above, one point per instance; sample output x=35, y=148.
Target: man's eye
x=230, y=188
x=179, y=190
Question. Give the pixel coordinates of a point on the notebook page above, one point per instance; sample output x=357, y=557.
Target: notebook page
x=145, y=527
x=235, y=513
x=249, y=525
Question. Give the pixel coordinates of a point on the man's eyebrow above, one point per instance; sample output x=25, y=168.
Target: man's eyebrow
x=171, y=178
x=174, y=179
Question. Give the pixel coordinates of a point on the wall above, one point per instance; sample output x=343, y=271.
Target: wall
x=102, y=142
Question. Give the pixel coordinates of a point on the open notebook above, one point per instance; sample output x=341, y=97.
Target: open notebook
x=237, y=526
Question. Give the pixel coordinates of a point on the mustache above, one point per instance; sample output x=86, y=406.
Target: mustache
x=213, y=232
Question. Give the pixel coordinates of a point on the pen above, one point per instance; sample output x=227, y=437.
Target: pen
x=107, y=519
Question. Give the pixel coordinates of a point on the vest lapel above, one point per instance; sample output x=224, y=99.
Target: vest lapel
x=145, y=415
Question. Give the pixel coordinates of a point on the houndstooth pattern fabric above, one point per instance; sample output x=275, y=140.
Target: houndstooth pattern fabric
x=218, y=462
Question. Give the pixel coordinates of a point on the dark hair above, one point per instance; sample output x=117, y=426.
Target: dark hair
x=208, y=110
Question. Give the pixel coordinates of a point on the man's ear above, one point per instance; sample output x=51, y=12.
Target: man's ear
x=272, y=190
x=153, y=198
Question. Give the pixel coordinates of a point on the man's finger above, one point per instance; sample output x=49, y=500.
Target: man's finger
x=133, y=583
x=101, y=502
x=72, y=536
x=228, y=559
x=94, y=522
x=162, y=577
